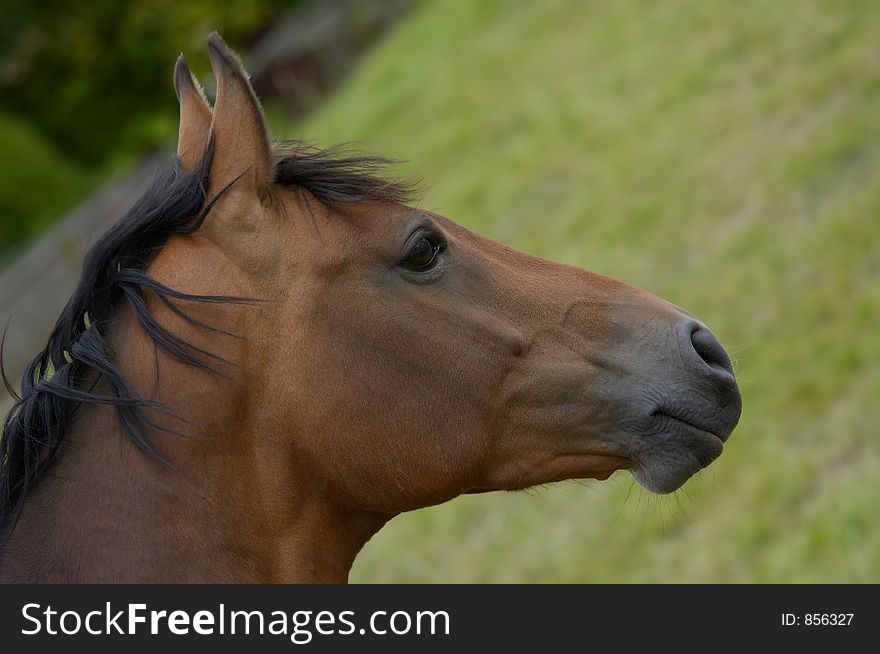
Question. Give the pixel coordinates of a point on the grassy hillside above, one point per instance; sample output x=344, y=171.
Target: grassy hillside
x=725, y=156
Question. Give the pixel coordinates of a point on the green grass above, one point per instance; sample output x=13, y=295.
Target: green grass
x=725, y=156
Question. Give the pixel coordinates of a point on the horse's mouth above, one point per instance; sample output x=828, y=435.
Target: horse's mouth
x=671, y=418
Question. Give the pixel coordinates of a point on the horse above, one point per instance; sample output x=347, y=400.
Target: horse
x=274, y=352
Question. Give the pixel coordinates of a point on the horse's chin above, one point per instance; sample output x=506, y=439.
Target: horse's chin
x=684, y=451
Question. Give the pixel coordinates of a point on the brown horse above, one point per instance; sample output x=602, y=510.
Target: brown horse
x=272, y=355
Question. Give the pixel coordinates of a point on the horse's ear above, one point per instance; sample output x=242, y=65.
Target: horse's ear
x=241, y=145
x=195, y=117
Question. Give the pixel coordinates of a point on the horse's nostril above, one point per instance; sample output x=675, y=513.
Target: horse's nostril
x=710, y=350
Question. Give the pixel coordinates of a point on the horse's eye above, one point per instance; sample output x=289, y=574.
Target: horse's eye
x=423, y=254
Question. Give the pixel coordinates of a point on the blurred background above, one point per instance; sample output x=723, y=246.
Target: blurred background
x=725, y=156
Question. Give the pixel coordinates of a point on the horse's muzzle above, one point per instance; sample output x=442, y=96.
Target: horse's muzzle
x=693, y=412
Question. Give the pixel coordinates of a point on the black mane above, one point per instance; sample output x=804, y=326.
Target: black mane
x=64, y=375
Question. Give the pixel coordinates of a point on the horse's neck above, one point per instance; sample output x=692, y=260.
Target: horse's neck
x=106, y=512
x=231, y=507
